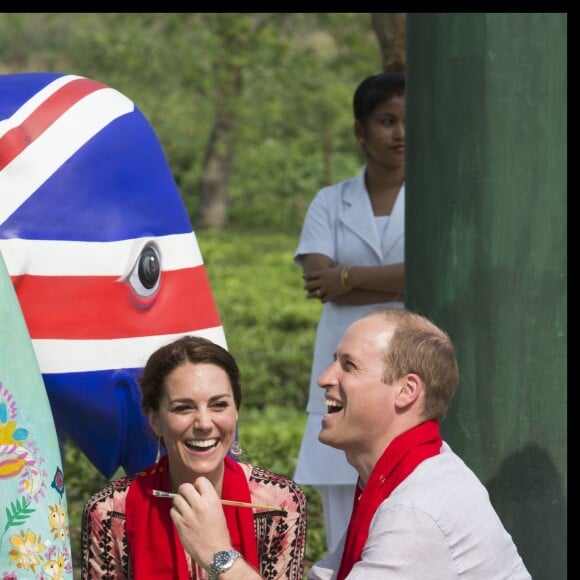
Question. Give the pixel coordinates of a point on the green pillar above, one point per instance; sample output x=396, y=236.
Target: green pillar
x=486, y=251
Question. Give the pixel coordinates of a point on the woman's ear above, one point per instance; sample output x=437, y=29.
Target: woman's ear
x=154, y=423
x=359, y=132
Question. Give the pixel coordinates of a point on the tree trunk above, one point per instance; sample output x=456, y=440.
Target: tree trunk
x=390, y=28
x=212, y=211
x=215, y=177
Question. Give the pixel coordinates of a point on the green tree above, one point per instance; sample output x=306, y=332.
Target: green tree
x=253, y=110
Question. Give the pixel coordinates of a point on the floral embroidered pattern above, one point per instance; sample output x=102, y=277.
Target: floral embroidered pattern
x=280, y=535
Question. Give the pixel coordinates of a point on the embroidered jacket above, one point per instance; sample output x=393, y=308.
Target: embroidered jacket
x=281, y=536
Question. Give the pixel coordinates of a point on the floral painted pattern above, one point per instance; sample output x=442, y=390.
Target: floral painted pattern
x=35, y=532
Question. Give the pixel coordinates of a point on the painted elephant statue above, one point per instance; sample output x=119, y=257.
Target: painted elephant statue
x=101, y=253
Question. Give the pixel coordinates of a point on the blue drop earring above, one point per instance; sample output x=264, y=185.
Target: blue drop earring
x=236, y=450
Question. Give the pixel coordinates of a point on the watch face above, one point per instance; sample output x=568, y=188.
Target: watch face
x=221, y=562
x=222, y=559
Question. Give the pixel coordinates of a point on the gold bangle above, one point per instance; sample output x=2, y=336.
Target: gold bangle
x=344, y=277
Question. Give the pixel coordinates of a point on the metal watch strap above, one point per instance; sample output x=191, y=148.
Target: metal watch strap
x=222, y=561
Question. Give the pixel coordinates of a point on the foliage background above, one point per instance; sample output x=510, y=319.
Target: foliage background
x=292, y=135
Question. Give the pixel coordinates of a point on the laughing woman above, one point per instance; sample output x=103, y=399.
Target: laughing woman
x=191, y=394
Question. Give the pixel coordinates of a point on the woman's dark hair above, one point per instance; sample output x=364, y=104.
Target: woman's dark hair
x=375, y=90
x=193, y=349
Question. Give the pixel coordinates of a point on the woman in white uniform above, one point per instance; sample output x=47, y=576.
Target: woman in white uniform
x=351, y=251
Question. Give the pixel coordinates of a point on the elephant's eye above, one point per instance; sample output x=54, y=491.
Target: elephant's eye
x=146, y=273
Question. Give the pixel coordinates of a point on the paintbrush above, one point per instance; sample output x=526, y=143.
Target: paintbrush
x=168, y=494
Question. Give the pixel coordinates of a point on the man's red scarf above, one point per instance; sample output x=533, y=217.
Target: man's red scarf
x=154, y=546
x=398, y=461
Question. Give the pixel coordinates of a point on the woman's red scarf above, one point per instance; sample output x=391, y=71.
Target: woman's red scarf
x=154, y=546
x=398, y=461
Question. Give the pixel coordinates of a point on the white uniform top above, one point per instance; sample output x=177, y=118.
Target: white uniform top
x=340, y=224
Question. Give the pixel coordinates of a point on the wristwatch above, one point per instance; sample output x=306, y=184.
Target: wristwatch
x=222, y=561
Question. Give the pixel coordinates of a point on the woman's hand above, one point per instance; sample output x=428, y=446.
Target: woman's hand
x=324, y=284
x=200, y=521
x=201, y=524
